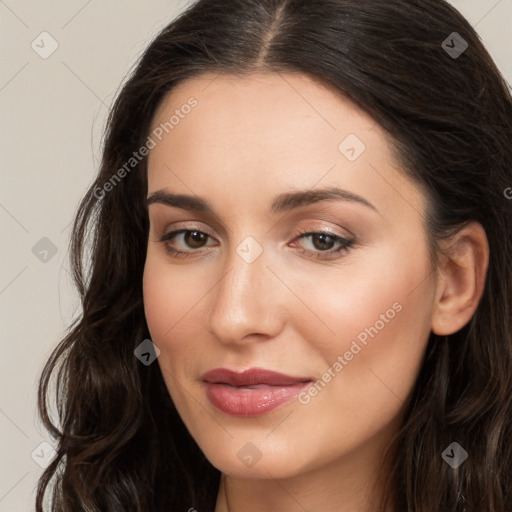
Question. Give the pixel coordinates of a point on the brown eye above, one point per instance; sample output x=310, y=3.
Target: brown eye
x=195, y=239
x=183, y=242
x=323, y=245
x=322, y=241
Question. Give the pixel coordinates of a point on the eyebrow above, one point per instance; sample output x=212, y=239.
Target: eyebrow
x=283, y=202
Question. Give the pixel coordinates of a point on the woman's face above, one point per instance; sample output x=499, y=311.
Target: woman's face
x=348, y=325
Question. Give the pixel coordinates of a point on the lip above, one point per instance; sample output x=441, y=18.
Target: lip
x=251, y=392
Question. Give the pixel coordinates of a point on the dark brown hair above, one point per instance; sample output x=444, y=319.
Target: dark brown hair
x=121, y=443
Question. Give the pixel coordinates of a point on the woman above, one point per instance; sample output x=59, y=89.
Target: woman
x=298, y=293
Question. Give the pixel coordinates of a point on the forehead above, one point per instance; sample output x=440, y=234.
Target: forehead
x=260, y=106
x=269, y=132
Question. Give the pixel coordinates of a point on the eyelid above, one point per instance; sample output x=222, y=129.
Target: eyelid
x=187, y=227
x=326, y=231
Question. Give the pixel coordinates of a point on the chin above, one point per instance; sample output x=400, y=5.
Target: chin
x=242, y=459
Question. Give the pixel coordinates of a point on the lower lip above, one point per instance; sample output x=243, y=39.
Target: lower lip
x=247, y=402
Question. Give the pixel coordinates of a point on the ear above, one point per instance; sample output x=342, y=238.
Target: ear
x=462, y=274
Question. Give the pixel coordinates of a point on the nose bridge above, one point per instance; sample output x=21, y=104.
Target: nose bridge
x=243, y=303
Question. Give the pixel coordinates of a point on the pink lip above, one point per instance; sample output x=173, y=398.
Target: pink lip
x=252, y=392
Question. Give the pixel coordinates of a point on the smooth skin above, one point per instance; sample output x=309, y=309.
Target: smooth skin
x=300, y=304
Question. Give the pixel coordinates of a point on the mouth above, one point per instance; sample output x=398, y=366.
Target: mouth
x=252, y=392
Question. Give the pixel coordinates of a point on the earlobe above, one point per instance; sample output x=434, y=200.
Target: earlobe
x=461, y=279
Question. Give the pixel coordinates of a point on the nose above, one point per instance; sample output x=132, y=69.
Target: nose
x=247, y=303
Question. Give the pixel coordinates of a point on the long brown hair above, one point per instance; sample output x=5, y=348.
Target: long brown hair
x=121, y=444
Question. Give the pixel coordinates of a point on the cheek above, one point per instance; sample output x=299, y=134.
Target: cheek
x=175, y=302
x=159, y=303
x=171, y=300
x=380, y=323
x=370, y=297
x=169, y=297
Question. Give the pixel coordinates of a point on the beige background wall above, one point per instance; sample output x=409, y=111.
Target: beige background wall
x=52, y=115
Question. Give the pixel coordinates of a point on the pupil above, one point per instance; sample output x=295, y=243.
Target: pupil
x=196, y=238
x=323, y=244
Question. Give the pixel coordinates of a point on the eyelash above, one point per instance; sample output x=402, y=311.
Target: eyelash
x=344, y=247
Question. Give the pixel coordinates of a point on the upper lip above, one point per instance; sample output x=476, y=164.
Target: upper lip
x=250, y=377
